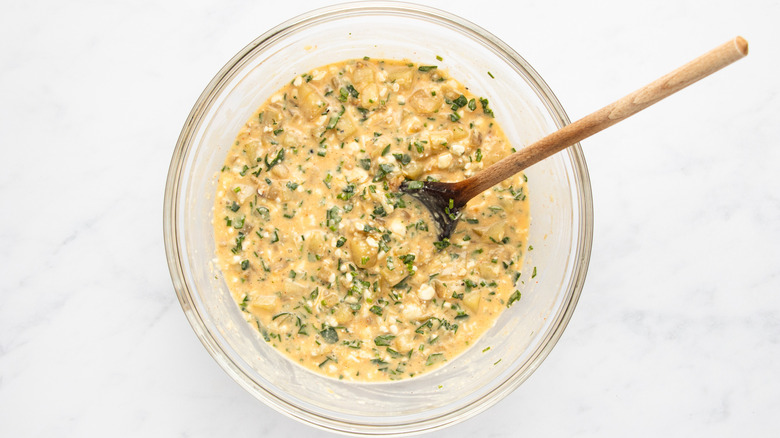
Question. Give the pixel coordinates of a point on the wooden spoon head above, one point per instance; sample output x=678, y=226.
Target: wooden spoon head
x=439, y=198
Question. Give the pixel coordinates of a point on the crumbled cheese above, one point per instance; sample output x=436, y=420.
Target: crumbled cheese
x=397, y=227
x=444, y=160
x=426, y=292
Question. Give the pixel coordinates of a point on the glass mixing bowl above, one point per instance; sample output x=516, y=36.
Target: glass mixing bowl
x=560, y=233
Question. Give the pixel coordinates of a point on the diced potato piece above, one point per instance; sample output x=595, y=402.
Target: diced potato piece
x=458, y=133
x=343, y=314
x=475, y=139
x=250, y=151
x=412, y=124
x=345, y=127
x=438, y=140
x=492, y=150
x=488, y=271
x=311, y=103
x=294, y=288
x=263, y=303
x=413, y=311
x=292, y=137
x=413, y=170
x=315, y=241
x=363, y=75
x=425, y=102
x=402, y=77
x=271, y=115
x=277, y=191
x=363, y=254
x=471, y=301
x=369, y=98
x=496, y=231
x=451, y=89
x=395, y=276
x=354, y=175
x=244, y=192
x=280, y=171
x=440, y=287
x=329, y=299
x=325, y=275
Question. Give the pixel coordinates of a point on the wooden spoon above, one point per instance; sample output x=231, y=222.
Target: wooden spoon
x=445, y=200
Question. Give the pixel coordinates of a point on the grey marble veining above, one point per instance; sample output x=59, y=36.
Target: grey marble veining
x=677, y=332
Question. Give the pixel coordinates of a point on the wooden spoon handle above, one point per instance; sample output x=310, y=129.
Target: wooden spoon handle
x=629, y=105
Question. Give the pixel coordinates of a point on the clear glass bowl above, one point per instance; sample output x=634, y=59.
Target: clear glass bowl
x=561, y=227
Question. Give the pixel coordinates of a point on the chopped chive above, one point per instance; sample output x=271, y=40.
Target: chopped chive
x=415, y=185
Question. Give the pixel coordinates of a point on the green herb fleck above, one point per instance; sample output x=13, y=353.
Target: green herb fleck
x=434, y=358
x=333, y=218
x=415, y=185
x=329, y=335
x=353, y=91
x=513, y=298
x=485, y=108
x=263, y=212
x=404, y=159
x=384, y=169
x=379, y=211
x=461, y=101
x=276, y=160
x=441, y=244
x=383, y=340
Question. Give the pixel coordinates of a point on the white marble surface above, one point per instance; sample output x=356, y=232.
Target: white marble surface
x=678, y=329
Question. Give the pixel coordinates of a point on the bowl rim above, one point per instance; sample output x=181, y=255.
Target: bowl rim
x=171, y=211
